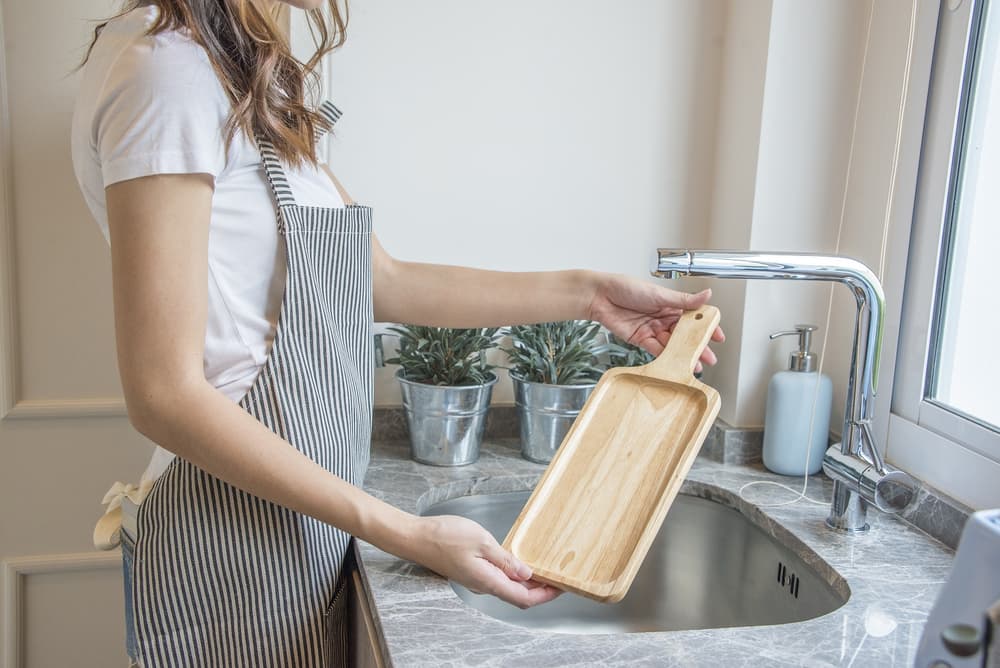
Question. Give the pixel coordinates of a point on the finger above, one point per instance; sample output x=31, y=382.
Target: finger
x=663, y=337
x=708, y=356
x=691, y=301
x=671, y=300
x=509, y=565
x=519, y=593
x=718, y=335
x=534, y=584
x=652, y=346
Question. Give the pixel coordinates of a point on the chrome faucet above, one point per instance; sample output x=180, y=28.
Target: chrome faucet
x=860, y=476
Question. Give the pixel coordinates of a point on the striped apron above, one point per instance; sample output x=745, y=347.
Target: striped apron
x=220, y=577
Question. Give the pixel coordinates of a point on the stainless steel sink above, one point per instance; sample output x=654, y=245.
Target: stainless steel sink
x=709, y=567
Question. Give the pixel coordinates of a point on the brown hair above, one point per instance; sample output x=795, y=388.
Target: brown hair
x=266, y=85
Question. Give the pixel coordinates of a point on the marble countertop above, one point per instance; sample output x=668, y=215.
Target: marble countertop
x=894, y=573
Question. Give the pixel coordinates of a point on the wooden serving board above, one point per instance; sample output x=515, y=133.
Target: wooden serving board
x=593, y=515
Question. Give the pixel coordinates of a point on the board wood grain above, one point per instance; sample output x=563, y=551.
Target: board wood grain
x=594, y=514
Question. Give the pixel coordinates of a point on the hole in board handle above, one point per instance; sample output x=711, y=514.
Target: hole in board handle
x=699, y=316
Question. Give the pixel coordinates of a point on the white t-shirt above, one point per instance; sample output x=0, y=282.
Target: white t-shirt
x=152, y=104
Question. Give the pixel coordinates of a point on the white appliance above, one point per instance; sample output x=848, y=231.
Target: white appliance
x=963, y=629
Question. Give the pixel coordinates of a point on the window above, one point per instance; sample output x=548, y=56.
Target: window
x=945, y=425
x=962, y=373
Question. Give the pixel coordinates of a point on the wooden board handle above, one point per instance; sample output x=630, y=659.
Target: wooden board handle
x=690, y=336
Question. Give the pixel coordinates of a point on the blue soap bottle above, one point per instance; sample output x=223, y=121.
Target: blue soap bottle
x=790, y=395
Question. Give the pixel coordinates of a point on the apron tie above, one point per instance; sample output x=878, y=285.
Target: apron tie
x=107, y=533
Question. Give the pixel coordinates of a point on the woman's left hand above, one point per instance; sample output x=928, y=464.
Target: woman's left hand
x=645, y=314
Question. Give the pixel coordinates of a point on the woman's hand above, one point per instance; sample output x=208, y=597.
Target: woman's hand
x=645, y=314
x=461, y=550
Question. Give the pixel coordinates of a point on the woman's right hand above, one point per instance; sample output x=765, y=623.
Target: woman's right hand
x=463, y=551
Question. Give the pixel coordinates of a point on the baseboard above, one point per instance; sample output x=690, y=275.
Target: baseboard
x=727, y=444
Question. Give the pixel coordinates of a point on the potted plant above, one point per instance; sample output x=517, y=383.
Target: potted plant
x=622, y=353
x=446, y=384
x=554, y=368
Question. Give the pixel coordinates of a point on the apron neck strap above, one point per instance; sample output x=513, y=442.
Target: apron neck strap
x=328, y=112
x=276, y=176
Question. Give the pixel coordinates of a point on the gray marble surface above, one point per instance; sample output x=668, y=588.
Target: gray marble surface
x=894, y=573
x=731, y=445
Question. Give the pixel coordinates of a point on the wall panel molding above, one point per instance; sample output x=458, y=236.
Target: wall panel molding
x=17, y=569
x=11, y=404
x=8, y=307
x=48, y=409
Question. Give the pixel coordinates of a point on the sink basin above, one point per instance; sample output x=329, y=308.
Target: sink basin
x=710, y=566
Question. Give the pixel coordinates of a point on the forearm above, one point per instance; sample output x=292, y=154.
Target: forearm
x=201, y=425
x=204, y=427
x=449, y=296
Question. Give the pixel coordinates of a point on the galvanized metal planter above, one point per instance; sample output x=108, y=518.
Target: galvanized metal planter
x=547, y=412
x=446, y=421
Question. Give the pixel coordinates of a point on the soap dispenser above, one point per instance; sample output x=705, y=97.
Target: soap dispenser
x=791, y=447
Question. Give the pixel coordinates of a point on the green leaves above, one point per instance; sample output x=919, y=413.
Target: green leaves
x=621, y=353
x=557, y=353
x=445, y=355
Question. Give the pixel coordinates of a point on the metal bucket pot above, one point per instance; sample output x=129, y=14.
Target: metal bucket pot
x=547, y=412
x=446, y=422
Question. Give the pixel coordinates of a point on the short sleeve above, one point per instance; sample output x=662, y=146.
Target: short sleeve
x=161, y=110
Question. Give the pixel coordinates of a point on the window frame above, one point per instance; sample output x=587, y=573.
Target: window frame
x=955, y=453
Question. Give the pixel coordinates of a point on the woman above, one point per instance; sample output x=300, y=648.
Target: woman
x=245, y=286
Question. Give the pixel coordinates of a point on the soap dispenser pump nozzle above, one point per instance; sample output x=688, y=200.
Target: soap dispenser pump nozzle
x=801, y=359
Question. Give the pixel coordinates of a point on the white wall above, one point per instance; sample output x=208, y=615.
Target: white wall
x=820, y=125
x=790, y=95
x=529, y=135
x=547, y=135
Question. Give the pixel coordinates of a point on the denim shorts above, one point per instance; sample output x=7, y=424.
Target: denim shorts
x=128, y=560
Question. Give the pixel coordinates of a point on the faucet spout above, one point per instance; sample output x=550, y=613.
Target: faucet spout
x=857, y=442
x=867, y=290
